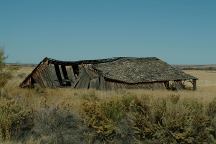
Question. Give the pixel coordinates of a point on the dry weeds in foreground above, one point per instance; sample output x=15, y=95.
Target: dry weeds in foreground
x=89, y=116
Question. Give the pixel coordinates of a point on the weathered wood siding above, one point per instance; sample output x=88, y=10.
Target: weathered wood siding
x=109, y=85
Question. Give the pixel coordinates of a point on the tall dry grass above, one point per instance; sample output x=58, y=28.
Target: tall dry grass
x=122, y=116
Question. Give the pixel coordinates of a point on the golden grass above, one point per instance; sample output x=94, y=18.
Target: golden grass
x=206, y=78
x=74, y=99
x=205, y=92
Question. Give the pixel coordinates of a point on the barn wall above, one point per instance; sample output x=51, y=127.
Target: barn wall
x=53, y=75
x=63, y=76
x=82, y=76
x=109, y=85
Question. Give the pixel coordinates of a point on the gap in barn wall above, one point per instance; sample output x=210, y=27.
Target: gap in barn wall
x=58, y=73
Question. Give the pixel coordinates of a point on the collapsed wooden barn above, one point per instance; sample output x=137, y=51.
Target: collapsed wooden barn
x=108, y=74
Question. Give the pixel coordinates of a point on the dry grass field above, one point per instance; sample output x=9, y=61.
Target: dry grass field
x=124, y=116
x=207, y=78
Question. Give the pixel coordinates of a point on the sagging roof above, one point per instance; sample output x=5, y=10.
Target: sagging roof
x=138, y=70
x=130, y=70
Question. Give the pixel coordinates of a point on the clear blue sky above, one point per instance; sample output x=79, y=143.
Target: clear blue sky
x=177, y=31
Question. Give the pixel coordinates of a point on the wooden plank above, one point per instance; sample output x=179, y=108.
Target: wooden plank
x=75, y=70
x=64, y=71
x=43, y=77
x=111, y=85
x=62, y=76
x=65, y=75
x=70, y=74
x=84, y=79
x=91, y=72
x=102, y=83
x=58, y=74
x=94, y=83
x=108, y=86
x=38, y=79
x=194, y=84
x=53, y=76
x=48, y=76
x=83, y=83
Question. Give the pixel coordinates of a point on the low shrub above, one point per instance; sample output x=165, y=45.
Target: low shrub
x=5, y=74
x=4, y=77
x=15, y=119
x=211, y=108
x=57, y=124
x=147, y=120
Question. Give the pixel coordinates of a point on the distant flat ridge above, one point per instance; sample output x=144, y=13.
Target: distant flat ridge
x=180, y=66
x=196, y=67
x=18, y=64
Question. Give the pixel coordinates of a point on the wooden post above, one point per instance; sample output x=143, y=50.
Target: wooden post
x=167, y=85
x=194, y=84
x=58, y=74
